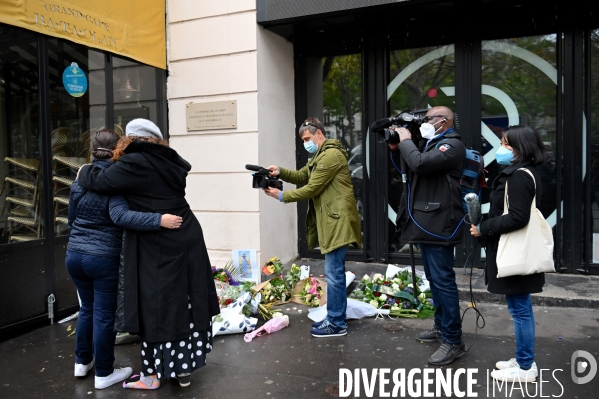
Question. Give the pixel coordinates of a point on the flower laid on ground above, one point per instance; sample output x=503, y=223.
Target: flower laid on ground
x=232, y=320
x=275, y=291
x=311, y=293
x=229, y=294
x=274, y=267
x=292, y=277
x=395, y=294
x=223, y=275
x=226, y=293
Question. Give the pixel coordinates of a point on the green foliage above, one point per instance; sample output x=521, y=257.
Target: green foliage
x=342, y=87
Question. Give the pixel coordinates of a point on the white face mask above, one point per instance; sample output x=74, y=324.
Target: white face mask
x=428, y=131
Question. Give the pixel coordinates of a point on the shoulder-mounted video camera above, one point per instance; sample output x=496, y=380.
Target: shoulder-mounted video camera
x=410, y=120
x=262, y=179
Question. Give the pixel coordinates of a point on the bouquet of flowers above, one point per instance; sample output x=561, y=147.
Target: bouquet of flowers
x=232, y=320
x=292, y=277
x=223, y=275
x=310, y=291
x=227, y=293
x=274, y=267
x=394, y=294
x=273, y=291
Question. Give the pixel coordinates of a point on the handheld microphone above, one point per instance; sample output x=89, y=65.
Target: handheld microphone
x=473, y=205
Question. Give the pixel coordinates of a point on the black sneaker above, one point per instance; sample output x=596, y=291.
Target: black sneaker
x=317, y=324
x=447, y=353
x=184, y=380
x=431, y=335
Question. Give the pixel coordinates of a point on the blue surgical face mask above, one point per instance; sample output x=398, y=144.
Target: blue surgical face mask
x=310, y=146
x=504, y=156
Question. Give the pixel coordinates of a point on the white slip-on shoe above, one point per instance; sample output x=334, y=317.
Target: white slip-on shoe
x=514, y=374
x=82, y=369
x=117, y=375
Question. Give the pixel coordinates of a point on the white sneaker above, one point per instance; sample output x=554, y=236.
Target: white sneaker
x=82, y=369
x=117, y=375
x=512, y=363
x=514, y=374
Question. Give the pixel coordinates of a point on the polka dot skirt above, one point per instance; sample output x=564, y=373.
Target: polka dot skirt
x=169, y=359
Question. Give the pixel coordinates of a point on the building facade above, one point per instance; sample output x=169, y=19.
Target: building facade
x=495, y=63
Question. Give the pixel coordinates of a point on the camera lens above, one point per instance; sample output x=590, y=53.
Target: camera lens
x=391, y=136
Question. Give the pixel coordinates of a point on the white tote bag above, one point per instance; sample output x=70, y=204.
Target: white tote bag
x=528, y=250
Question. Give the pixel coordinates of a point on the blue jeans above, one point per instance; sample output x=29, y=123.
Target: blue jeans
x=438, y=268
x=334, y=271
x=96, y=279
x=520, y=307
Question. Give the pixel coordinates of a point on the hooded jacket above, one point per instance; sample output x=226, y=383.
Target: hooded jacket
x=435, y=196
x=167, y=271
x=332, y=221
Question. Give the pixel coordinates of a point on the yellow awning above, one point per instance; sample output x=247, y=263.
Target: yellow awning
x=132, y=28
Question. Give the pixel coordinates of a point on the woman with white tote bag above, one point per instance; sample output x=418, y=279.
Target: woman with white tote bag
x=521, y=151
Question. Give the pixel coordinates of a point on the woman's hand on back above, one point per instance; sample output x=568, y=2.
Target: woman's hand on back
x=169, y=221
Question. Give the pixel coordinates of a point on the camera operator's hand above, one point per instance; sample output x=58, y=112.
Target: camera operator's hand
x=274, y=170
x=393, y=146
x=404, y=134
x=272, y=192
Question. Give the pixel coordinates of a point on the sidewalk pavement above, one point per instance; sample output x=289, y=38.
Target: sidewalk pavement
x=292, y=364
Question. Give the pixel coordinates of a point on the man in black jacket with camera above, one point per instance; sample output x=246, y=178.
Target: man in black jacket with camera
x=434, y=203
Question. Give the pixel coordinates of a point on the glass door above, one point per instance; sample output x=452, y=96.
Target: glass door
x=334, y=95
x=419, y=79
x=517, y=86
x=593, y=151
x=519, y=78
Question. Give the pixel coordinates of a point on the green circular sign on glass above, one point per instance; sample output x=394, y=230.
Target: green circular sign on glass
x=74, y=80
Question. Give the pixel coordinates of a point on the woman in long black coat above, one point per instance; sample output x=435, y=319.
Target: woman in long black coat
x=521, y=147
x=167, y=294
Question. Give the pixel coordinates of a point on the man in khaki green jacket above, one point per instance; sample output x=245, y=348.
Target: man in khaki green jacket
x=332, y=222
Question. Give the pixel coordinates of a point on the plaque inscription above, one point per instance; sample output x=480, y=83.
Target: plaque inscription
x=211, y=115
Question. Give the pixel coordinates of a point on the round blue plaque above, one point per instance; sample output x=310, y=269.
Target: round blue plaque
x=74, y=80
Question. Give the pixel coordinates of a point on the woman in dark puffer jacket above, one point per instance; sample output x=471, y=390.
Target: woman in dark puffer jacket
x=96, y=225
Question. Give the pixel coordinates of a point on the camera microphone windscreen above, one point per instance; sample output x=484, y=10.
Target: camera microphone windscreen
x=255, y=168
x=473, y=205
x=381, y=124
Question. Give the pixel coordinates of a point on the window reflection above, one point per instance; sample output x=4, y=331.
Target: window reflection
x=134, y=87
x=20, y=217
x=517, y=90
x=73, y=118
x=335, y=97
x=420, y=78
